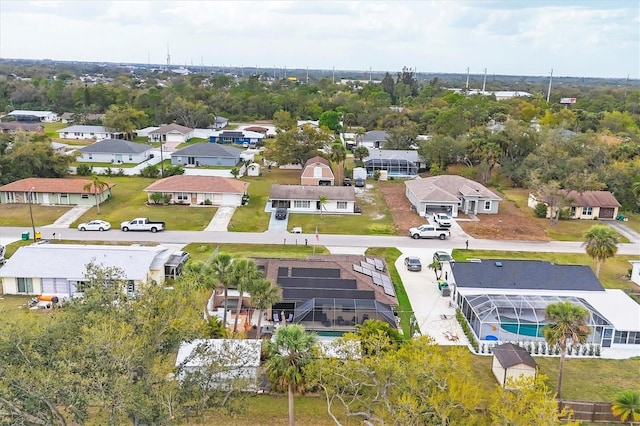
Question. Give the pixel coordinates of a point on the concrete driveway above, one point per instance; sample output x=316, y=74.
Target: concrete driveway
x=220, y=221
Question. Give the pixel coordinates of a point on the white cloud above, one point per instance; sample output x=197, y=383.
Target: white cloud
x=507, y=37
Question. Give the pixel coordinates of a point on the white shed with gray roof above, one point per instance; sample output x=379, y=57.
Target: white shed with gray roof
x=59, y=269
x=115, y=151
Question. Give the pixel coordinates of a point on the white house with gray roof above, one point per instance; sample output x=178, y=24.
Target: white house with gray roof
x=450, y=194
x=116, y=151
x=397, y=163
x=374, y=139
x=23, y=115
x=306, y=198
x=206, y=154
x=60, y=269
x=88, y=132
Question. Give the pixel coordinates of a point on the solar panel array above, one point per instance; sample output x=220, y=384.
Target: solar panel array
x=315, y=272
x=372, y=268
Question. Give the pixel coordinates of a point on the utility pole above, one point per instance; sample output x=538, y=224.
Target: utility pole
x=307, y=75
x=334, y=75
x=168, y=58
x=549, y=91
x=484, y=80
x=370, y=75
x=467, y=85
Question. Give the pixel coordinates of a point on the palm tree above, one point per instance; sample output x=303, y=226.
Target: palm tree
x=246, y=274
x=338, y=155
x=221, y=270
x=359, y=135
x=627, y=406
x=323, y=200
x=96, y=184
x=200, y=275
x=437, y=268
x=263, y=295
x=361, y=152
x=566, y=327
x=601, y=243
x=289, y=352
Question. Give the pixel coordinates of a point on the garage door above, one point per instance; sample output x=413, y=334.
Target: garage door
x=606, y=213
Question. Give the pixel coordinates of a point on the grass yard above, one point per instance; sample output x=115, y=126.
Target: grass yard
x=563, y=230
x=614, y=273
x=106, y=164
x=51, y=129
x=18, y=215
x=202, y=252
x=129, y=201
x=404, y=308
x=252, y=217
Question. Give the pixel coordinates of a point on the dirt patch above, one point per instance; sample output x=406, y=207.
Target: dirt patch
x=509, y=224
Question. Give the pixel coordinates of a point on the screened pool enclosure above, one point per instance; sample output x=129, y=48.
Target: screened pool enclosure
x=393, y=166
x=521, y=317
x=340, y=314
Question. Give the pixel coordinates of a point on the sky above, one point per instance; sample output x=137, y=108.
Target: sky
x=572, y=38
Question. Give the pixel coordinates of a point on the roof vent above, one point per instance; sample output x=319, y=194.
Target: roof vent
x=499, y=264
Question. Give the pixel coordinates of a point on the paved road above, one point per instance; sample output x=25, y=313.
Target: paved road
x=355, y=241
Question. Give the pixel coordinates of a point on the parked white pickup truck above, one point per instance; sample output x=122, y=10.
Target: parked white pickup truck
x=429, y=231
x=142, y=224
x=442, y=219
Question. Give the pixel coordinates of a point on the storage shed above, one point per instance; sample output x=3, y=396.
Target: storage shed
x=512, y=361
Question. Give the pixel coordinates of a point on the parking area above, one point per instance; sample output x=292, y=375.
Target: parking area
x=277, y=225
x=434, y=313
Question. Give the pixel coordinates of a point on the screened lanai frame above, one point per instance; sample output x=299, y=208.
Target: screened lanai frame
x=516, y=317
x=393, y=166
x=340, y=314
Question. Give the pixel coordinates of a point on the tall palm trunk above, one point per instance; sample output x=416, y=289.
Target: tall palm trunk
x=259, y=331
x=235, y=323
x=95, y=195
x=290, y=391
x=226, y=301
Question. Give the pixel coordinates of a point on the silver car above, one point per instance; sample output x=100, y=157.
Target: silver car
x=413, y=263
x=95, y=225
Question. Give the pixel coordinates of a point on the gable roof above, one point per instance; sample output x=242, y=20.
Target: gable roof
x=525, y=275
x=70, y=260
x=41, y=114
x=198, y=184
x=107, y=146
x=317, y=159
x=375, y=136
x=220, y=119
x=509, y=355
x=172, y=128
x=69, y=186
x=306, y=192
x=448, y=188
x=393, y=154
x=206, y=149
x=86, y=129
x=592, y=199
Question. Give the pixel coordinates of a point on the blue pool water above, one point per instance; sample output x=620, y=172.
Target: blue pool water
x=525, y=329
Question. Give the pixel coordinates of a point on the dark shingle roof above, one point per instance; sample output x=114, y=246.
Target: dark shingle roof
x=208, y=150
x=375, y=136
x=308, y=192
x=509, y=355
x=119, y=146
x=525, y=275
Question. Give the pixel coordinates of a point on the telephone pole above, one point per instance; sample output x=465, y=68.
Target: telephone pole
x=467, y=85
x=549, y=91
x=484, y=80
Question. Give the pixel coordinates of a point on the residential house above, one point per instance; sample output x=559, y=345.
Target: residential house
x=374, y=139
x=206, y=154
x=144, y=133
x=505, y=301
x=397, y=163
x=200, y=190
x=58, y=148
x=587, y=205
x=70, y=117
x=317, y=171
x=237, y=137
x=512, y=362
x=451, y=194
x=306, y=199
x=60, y=269
x=88, y=132
x=53, y=191
x=331, y=293
x=116, y=151
x=172, y=133
x=30, y=116
x=221, y=363
x=11, y=127
x=635, y=271
x=220, y=123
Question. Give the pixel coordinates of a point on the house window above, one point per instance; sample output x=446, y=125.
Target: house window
x=634, y=338
x=587, y=211
x=130, y=157
x=487, y=205
x=85, y=196
x=342, y=205
x=182, y=196
x=620, y=337
x=301, y=204
x=90, y=156
x=131, y=288
x=25, y=285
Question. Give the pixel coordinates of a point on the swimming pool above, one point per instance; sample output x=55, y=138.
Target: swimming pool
x=531, y=330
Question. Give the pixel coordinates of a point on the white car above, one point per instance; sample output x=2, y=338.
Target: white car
x=95, y=225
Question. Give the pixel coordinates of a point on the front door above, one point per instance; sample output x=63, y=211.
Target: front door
x=191, y=160
x=45, y=198
x=118, y=158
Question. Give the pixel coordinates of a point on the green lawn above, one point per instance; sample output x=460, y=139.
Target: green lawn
x=563, y=230
x=129, y=201
x=202, y=252
x=106, y=164
x=613, y=272
x=18, y=215
x=51, y=129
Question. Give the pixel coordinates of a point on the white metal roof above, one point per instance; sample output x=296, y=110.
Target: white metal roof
x=70, y=260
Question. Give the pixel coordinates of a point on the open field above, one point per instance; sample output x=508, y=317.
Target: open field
x=51, y=129
x=613, y=273
x=129, y=201
x=105, y=164
x=202, y=252
x=18, y=215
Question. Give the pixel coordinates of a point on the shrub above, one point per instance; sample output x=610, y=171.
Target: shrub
x=84, y=170
x=108, y=172
x=540, y=210
x=157, y=198
x=467, y=330
x=376, y=175
x=150, y=171
x=208, y=202
x=173, y=171
x=120, y=172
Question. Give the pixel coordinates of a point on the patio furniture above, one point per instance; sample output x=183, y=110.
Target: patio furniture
x=276, y=318
x=290, y=317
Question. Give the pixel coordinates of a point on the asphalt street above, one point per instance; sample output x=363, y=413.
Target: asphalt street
x=271, y=237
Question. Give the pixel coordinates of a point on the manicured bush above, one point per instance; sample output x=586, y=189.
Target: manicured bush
x=84, y=170
x=150, y=171
x=540, y=210
x=467, y=330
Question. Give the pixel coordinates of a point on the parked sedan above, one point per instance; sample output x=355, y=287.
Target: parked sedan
x=443, y=256
x=95, y=225
x=413, y=263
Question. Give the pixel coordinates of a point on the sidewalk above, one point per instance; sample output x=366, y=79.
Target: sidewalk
x=69, y=217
